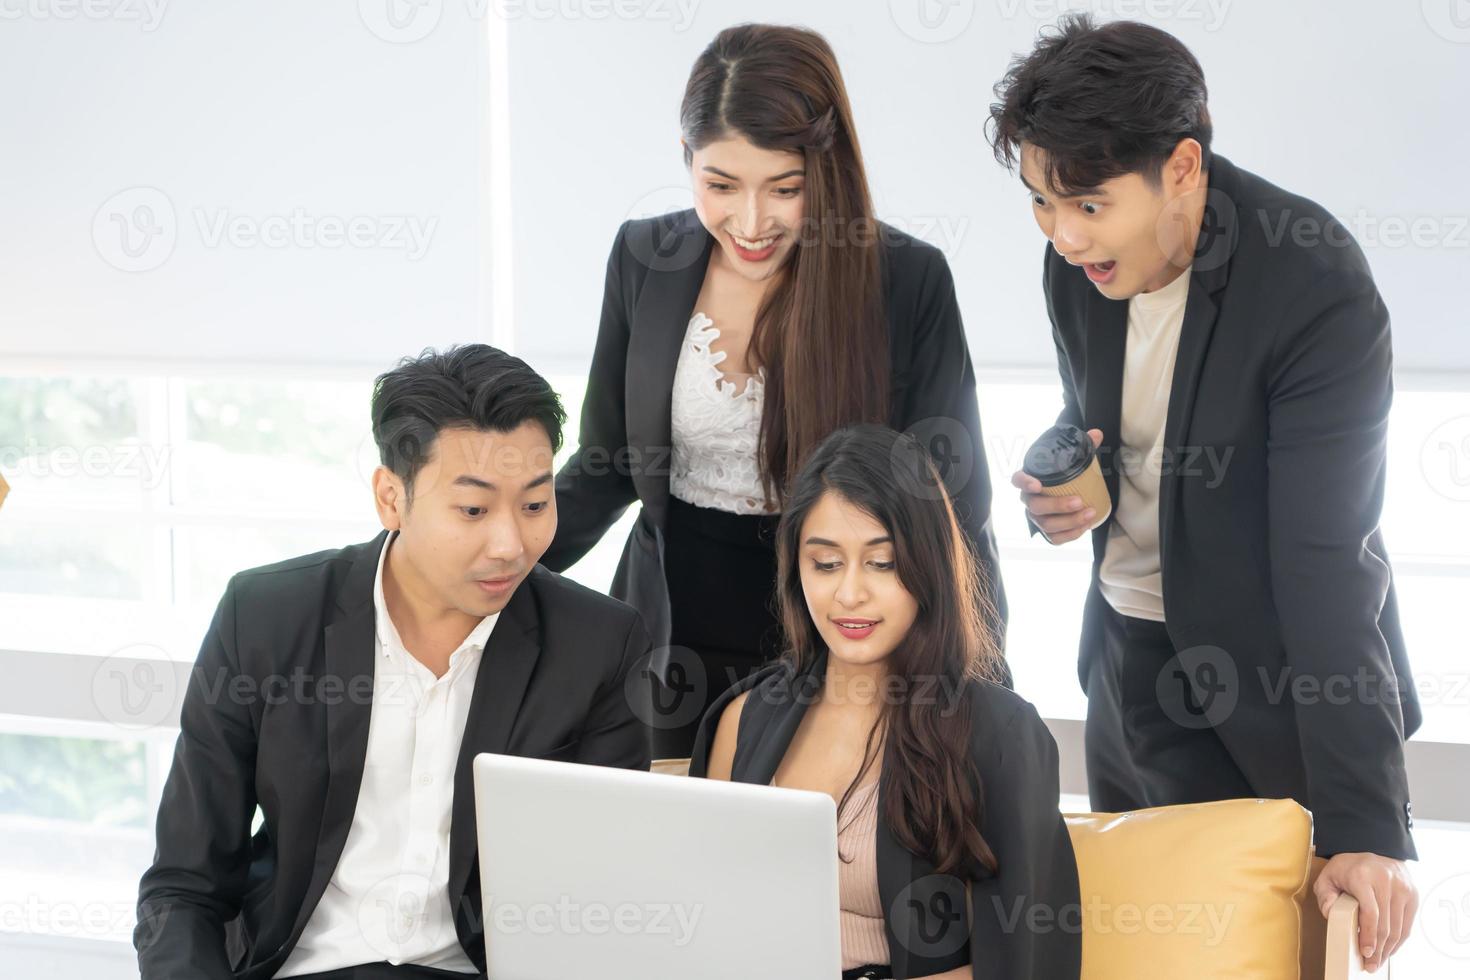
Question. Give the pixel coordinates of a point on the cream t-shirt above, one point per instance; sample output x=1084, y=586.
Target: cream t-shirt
x=1129, y=578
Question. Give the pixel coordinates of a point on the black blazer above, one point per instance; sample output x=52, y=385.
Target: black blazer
x=221, y=902
x=1036, y=878
x=1273, y=563
x=654, y=275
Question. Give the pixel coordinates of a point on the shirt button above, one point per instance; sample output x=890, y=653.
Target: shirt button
x=425, y=779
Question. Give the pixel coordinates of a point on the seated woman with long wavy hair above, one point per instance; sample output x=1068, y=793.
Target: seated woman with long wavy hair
x=954, y=859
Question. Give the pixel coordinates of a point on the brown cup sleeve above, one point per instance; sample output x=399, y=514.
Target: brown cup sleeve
x=1091, y=487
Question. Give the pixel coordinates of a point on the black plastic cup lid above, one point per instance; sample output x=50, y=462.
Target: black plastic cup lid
x=1059, y=455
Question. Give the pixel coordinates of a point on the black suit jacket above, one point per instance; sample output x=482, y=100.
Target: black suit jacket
x=1274, y=568
x=925, y=922
x=295, y=643
x=654, y=275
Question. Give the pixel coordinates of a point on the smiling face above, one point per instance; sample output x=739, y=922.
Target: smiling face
x=751, y=201
x=482, y=513
x=849, y=578
x=1128, y=235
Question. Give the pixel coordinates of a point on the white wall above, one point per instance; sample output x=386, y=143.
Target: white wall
x=1356, y=103
x=233, y=122
x=274, y=113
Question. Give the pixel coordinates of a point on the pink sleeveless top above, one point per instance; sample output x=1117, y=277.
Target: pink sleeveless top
x=863, y=939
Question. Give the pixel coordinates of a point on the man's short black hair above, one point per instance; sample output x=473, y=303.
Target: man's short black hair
x=473, y=386
x=1100, y=102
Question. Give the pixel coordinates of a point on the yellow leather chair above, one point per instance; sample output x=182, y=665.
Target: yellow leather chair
x=1201, y=891
x=1206, y=890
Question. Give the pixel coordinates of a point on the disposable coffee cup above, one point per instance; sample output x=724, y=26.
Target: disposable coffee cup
x=1064, y=461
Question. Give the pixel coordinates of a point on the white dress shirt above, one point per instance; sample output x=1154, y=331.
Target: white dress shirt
x=388, y=899
x=1130, y=577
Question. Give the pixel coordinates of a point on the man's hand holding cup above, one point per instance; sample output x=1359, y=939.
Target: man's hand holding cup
x=1062, y=485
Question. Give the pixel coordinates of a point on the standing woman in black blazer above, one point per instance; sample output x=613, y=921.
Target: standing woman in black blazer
x=736, y=336
x=887, y=699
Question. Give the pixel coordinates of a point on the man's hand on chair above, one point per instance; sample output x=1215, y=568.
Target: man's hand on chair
x=1387, y=900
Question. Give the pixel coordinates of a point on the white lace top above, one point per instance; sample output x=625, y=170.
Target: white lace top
x=716, y=425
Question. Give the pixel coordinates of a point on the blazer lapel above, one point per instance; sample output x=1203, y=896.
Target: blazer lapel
x=349, y=647
x=1106, y=335
x=506, y=666
x=896, y=870
x=1219, y=234
x=758, y=759
x=658, y=323
x=926, y=924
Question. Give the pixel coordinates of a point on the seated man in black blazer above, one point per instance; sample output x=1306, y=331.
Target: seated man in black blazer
x=1223, y=340
x=344, y=695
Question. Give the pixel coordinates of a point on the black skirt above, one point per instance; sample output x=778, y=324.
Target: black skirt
x=721, y=574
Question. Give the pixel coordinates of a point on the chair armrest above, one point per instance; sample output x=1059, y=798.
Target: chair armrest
x=1344, y=958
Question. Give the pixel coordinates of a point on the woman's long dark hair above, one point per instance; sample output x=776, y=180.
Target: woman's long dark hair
x=821, y=332
x=936, y=801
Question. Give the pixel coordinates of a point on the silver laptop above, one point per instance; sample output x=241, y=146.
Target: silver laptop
x=623, y=875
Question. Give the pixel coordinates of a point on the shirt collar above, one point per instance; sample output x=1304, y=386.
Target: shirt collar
x=388, y=637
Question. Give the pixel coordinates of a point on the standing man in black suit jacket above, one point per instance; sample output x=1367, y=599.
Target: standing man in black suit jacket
x=1223, y=341
x=344, y=694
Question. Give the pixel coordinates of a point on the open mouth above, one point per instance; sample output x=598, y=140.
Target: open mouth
x=856, y=628
x=755, y=249
x=1101, y=273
